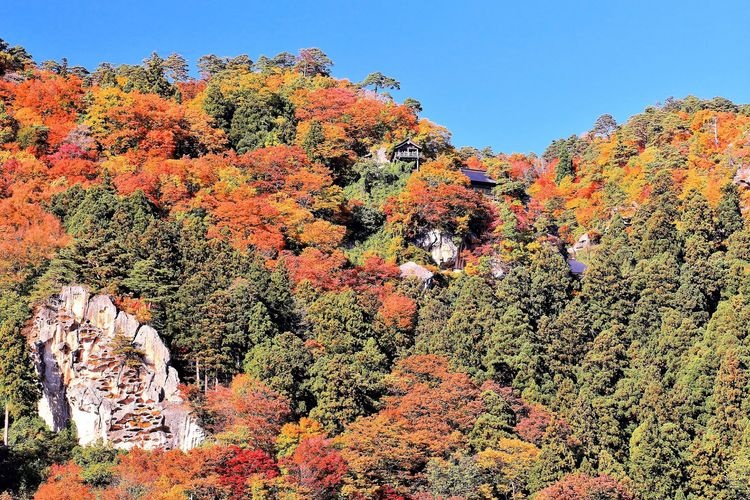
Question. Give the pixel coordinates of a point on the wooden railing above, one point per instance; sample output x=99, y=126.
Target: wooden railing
x=407, y=154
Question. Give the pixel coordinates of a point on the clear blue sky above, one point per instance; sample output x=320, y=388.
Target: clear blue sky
x=511, y=75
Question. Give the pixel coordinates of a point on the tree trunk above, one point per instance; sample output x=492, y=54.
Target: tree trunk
x=197, y=373
x=5, y=429
x=205, y=381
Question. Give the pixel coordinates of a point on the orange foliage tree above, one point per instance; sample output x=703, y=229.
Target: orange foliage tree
x=64, y=483
x=427, y=412
x=438, y=197
x=247, y=413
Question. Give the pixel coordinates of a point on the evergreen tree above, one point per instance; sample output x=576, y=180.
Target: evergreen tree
x=211, y=345
x=466, y=334
x=655, y=463
x=564, y=166
x=218, y=107
x=124, y=349
x=659, y=236
x=279, y=298
x=555, y=460
x=312, y=140
x=19, y=389
x=509, y=335
x=696, y=219
x=496, y=422
x=260, y=121
x=338, y=323
x=738, y=471
x=18, y=383
x=260, y=327
x=729, y=217
x=566, y=339
x=595, y=416
x=283, y=363
x=605, y=293
x=678, y=333
x=655, y=283
x=707, y=466
x=346, y=386
x=378, y=81
x=154, y=77
x=550, y=285
x=346, y=376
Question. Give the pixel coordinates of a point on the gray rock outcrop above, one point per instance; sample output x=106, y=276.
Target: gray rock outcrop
x=85, y=379
x=441, y=246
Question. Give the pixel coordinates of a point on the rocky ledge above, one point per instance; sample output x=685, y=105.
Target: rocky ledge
x=128, y=401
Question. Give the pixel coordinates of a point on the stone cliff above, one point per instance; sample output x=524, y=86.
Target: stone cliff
x=127, y=402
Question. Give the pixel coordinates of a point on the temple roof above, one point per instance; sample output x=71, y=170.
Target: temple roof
x=478, y=176
x=576, y=267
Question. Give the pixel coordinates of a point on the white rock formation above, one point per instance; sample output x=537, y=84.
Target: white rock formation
x=84, y=380
x=742, y=177
x=583, y=244
x=440, y=245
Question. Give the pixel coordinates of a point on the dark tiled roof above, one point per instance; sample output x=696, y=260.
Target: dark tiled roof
x=478, y=176
x=576, y=267
x=405, y=142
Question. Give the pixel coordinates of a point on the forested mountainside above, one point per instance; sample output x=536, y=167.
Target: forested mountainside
x=256, y=218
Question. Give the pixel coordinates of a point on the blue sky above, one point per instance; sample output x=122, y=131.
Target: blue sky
x=511, y=75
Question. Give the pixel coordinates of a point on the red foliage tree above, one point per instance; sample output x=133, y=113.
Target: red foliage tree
x=316, y=467
x=251, y=219
x=327, y=104
x=49, y=100
x=372, y=275
x=146, y=125
x=238, y=466
x=532, y=423
x=320, y=269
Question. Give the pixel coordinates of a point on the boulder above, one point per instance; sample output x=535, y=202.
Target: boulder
x=381, y=156
x=84, y=380
x=583, y=243
x=441, y=246
x=414, y=270
x=742, y=177
x=498, y=268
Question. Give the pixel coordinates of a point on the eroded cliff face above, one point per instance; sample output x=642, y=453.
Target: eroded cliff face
x=73, y=343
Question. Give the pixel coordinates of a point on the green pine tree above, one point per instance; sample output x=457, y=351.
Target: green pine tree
x=564, y=165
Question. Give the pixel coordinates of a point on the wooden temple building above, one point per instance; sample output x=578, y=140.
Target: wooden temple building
x=406, y=150
x=479, y=181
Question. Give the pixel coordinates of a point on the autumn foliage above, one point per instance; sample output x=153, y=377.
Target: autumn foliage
x=257, y=218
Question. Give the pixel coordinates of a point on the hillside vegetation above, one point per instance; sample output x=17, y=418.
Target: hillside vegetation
x=248, y=215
